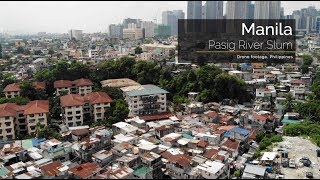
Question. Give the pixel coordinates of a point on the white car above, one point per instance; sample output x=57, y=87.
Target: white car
x=292, y=163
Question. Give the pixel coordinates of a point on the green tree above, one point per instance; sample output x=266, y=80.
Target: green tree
x=51, y=52
x=18, y=100
x=288, y=103
x=138, y=50
x=37, y=52
x=55, y=108
x=114, y=93
x=20, y=50
x=117, y=112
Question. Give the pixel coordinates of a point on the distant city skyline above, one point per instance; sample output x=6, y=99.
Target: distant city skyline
x=60, y=17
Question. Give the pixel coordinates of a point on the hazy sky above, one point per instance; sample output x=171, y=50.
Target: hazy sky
x=91, y=16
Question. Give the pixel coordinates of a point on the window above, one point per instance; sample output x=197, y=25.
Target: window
x=7, y=117
x=9, y=130
x=134, y=101
x=9, y=136
x=8, y=124
x=32, y=121
x=69, y=118
x=70, y=124
x=69, y=113
x=77, y=112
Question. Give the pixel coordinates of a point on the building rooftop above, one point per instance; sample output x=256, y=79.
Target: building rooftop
x=12, y=87
x=143, y=90
x=119, y=83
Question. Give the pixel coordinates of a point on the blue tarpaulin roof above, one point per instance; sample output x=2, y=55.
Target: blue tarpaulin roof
x=36, y=142
x=185, y=135
x=240, y=131
x=227, y=134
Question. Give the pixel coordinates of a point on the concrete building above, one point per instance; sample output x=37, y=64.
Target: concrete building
x=22, y=118
x=133, y=33
x=250, y=10
x=194, y=9
x=79, y=86
x=170, y=18
x=77, y=34
x=12, y=90
x=214, y=10
x=267, y=9
x=145, y=99
x=131, y=21
x=115, y=31
x=78, y=110
x=93, y=53
x=149, y=28
x=237, y=9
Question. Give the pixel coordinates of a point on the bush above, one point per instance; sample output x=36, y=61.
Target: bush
x=276, y=138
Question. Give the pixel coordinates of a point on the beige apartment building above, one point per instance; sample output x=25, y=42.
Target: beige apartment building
x=133, y=33
x=77, y=110
x=12, y=90
x=79, y=86
x=22, y=118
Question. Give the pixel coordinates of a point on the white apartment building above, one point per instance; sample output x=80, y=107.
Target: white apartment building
x=77, y=34
x=145, y=99
x=299, y=88
x=12, y=90
x=149, y=27
x=93, y=53
x=77, y=109
x=80, y=86
x=211, y=169
x=22, y=118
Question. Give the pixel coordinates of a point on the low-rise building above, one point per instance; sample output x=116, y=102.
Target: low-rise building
x=85, y=171
x=79, y=86
x=211, y=169
x=12, y=90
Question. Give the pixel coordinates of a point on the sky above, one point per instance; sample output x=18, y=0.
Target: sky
x=91, y=16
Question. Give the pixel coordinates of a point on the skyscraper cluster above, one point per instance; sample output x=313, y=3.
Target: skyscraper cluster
x=234, y=10
x=210, y=10
x=307, y=19
x=170, y=18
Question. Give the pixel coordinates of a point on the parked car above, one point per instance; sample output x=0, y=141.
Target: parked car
x=309, y=175
x=306, y=161
x=292, y=163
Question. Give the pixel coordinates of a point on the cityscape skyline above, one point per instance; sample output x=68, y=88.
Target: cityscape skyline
x=63, y=16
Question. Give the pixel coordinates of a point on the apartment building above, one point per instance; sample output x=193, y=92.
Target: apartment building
x=12, y=90
x=80, y=86
x=145, y=99
x=77, y=109
x=22, y=119
x=299, y=88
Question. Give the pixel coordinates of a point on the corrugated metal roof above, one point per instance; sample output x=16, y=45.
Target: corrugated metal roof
x=147, y=90
x=4, y=171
